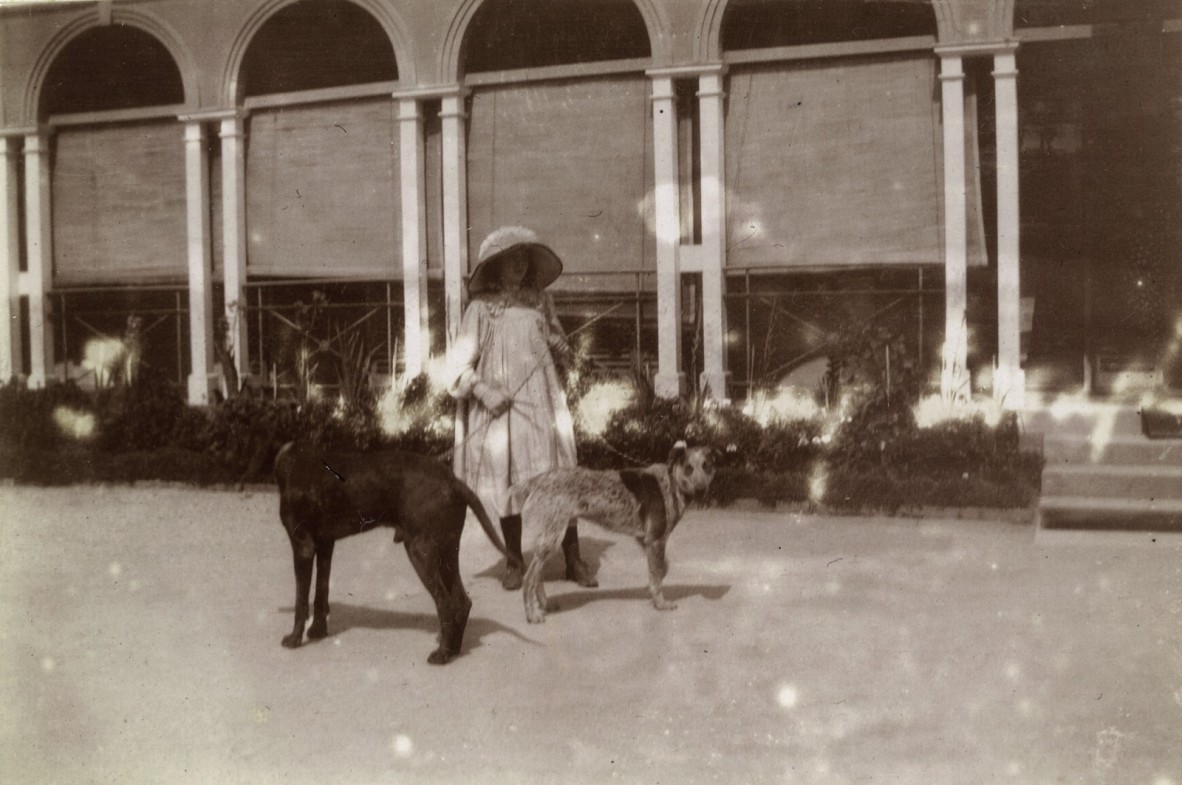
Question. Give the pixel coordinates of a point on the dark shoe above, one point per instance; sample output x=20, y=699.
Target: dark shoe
x=576, y=568
x=512, y=578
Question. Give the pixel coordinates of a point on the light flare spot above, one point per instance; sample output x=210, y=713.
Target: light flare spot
x=818, y=484
x=601, y=402
x=788, y=696
x=403, y=746
x=48, y=664
x=783, y=405
x=115, y=569
x=74, y=423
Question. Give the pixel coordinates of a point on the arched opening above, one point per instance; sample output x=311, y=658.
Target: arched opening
x=759, y=24
x=835, y=184
x=1100, y=121
x=511, y=34
x=314, y=44
x=566, y=153
x=118, y=206
x=322, y=196
x=112, y=67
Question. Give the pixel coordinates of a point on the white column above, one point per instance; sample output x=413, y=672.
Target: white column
x=39, y=246
x=11, y=328
x=670, y=381
x=233, y=136
x=417, y=339
x=713, y=166
x=455, y=210
x=1009, y=380
x=954, y=376
x=200, y=266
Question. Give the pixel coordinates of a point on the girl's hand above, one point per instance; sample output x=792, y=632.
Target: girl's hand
x=559, y=345
x=493, y=399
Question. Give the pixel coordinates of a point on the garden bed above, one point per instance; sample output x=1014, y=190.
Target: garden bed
x=873, y=458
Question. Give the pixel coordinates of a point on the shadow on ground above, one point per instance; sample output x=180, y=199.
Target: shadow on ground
x=673, y=593
x=344, y=617
x=591, y=549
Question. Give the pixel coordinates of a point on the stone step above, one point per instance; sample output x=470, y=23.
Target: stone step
x=1101, y=420
x=1086, y=512
x=1134, y=483
x=1123, y=450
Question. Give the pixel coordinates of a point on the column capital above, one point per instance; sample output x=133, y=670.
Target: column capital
x=232, y=126
x=194, y=133
x=687, y=71
x=22, y=131
x=214, y=115
x=409, y=111
x=36, y=142
x=662, y=90
x=975, y=48
x=429, y=92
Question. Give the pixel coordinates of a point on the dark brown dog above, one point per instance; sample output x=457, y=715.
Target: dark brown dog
x=326, y=495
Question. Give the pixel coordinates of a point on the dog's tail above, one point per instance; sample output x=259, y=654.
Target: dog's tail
x=473, y=501
x=282, y=459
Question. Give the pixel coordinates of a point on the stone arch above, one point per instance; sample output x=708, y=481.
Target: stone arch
x=708, y=33
x=131, y=17
x=382, y=13
x=655, y=21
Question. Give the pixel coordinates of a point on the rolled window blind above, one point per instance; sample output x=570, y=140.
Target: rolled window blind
x=570, y=160
x=119, y=204
x=841, y=163
x=322, y=191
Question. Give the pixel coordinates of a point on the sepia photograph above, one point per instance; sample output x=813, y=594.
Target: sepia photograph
x=515, y=392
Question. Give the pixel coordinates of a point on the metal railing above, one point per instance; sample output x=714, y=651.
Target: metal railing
x=84, y=315
x=781, y=321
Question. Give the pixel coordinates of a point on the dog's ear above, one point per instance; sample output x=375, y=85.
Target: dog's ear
x=677, y=453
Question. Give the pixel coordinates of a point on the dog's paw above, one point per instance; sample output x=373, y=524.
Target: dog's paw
x=318, y=630
x=664, y=605
x=293, y=641
x=441, y=656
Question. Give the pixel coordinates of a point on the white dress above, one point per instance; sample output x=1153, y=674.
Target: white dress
x=506, y=345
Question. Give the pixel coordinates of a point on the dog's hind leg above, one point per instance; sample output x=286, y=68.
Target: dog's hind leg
x=534, y=590
x=302, y=553
x=319, y=626
x=658, y=567
x=437, y=563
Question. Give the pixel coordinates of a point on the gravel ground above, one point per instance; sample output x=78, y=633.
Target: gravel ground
x=140, y=627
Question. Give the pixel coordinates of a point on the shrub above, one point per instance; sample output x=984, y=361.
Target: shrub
x=877, y=458
x=27, y=416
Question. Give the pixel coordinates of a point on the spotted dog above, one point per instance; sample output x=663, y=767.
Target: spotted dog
x=326, y=495
x=646, y=503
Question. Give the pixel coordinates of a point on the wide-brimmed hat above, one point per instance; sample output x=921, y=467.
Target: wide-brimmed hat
x=544, y=264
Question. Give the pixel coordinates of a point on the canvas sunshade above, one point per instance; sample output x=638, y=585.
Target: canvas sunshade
x=841, y=163
x=322, y=190
x=569, y=160
x=119, y=204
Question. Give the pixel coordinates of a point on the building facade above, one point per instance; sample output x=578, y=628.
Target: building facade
x=729, y=182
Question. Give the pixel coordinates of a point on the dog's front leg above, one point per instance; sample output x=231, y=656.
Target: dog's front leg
x=302, y=553
x=319, y=626
x=657, y=569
